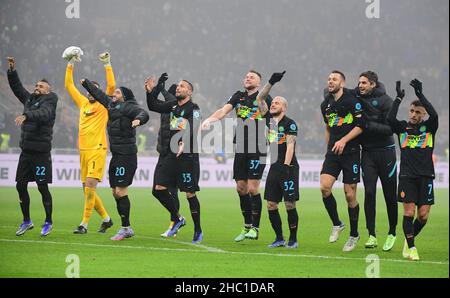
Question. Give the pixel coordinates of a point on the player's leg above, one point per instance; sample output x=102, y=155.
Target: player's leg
x=188, y=177
x=408, y=229
x=240, y=174
x=123, y=208
x=370, y=177
x=97, y=173
x=43, y=176
x=273, y=195
x=328, y=176
x=255, y=169
x=291, y=195
x=275, y=221
x=253, y=189
x=388, y=177
x=23, y=175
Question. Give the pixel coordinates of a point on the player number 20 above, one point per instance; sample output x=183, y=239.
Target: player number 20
x=120, y=171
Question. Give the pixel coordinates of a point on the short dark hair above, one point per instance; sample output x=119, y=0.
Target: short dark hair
x=45, y=81
x=96, y=84
x=256, y=73
x=371, y=76
x=417, y=103
x=340, y=73
x=189, y=83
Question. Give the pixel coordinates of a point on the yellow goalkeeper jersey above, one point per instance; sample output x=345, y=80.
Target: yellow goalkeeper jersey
x=93, y=116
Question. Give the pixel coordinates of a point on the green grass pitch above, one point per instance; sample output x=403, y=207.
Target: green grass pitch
x=149, y=255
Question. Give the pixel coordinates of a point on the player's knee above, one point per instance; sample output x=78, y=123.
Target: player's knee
x=272, y=205
x=43, y=188
x=159, y=187
x=241, y=189
x=289, y=205
x=121, y=191
x=21, y=187
x=253, y=191
x=325, y=190
x=190, y=195
x=423, y=216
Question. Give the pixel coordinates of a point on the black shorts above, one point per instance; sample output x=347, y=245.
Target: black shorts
x=348, y=163
x=182, y=172
x=122, y=169
x=248, y=166
x=34, y=166
x=416, y=190
x=278, y=187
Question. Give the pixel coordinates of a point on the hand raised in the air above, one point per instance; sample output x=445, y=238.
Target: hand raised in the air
x=11, y=63
x=276, y=77
x=149, y=84
x=400, y=91
x=417, y=85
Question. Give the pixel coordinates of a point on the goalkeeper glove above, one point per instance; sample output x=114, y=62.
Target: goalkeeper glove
x=105, y=58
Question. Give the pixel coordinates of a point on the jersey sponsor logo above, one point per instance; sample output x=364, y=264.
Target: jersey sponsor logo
x=416, y=141
x=276, y=136
x=245, y=112
x=335, y=120
x=177, y=123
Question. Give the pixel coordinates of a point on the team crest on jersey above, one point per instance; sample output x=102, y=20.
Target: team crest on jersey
x=281, y=128
x=255, y=103
x=375, y=103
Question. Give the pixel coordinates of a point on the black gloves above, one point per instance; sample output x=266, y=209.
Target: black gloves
x=162, y=80
x=172, y=89
x=400, y=91
x=417, y=85
x=276, y=77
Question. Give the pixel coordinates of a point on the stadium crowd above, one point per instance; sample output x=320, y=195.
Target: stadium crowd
x=217, y=56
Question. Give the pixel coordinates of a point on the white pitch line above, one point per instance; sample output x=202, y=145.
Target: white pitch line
x=208, y=248
x=220, y=251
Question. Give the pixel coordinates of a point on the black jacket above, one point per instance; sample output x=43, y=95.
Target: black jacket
x=122, y=137
x=377, y=133
x=40, y=110
x=163, y=145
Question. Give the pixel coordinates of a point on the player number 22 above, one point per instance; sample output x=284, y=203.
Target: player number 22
x=40, y=171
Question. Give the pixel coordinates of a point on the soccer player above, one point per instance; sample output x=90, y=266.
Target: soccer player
x=124, y=115
x=181, y=166
x=378, y=158
x=35, y=161
x=163, y=145
x=282, y=180
x=416, y=139
x=247, y=167
x=342, y=114
x=92, y=142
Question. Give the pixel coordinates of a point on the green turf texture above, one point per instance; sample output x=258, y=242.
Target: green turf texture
x=149, y=255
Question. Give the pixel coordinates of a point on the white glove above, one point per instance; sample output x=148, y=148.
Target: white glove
x=72, y=54
x=105, y=58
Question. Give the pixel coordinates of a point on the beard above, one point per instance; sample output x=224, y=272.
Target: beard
x=180, y=97
x=275, y=114
x=335, y=90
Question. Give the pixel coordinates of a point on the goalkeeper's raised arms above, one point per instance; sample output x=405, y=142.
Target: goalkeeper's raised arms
x=105, y=58
x=72, y=54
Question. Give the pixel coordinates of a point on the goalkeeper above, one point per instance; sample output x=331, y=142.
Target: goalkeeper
x=92, y=141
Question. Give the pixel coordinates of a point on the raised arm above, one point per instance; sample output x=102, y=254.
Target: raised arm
x=14, y=82
x=392, y=115
x=417, y=85
x=262, y=96
x=96, y=93
x=76, y=95
x=153, y=103
x=138, y=114
x=105, y=58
